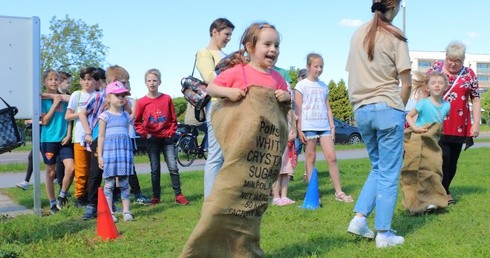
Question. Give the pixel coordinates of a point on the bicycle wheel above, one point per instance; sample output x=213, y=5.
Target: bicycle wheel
x=186, y=150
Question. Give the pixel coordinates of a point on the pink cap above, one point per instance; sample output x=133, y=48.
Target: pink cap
x=116, y=88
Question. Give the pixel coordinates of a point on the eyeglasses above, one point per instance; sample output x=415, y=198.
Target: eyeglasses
x=454, y=60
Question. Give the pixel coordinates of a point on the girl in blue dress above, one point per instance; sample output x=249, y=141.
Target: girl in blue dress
x=115, y=150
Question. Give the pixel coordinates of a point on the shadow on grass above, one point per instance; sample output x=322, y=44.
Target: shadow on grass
x=461, y=191
x=35, y=230
x=314, y=247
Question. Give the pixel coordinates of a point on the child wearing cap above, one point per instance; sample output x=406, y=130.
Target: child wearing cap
x=114, y=146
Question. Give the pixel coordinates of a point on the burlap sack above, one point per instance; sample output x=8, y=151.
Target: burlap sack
x=421, y=175
x=252, y=134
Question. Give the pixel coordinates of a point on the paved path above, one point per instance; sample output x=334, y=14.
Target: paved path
x=7, y=180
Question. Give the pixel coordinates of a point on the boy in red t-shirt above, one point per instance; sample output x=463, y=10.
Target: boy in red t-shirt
x=155, y=120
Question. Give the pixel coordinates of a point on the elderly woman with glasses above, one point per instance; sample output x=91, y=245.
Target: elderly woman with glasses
x=462, y=123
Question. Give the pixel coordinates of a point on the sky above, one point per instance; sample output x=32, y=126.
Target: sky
x=166, y=35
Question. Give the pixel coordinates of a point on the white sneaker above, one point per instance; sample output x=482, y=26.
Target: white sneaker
x=389, y=240
x=431, y=207
x=360, y=228
x=128, y=216
x=24, y=185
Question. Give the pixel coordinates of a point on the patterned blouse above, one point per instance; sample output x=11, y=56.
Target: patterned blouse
x=457, y=124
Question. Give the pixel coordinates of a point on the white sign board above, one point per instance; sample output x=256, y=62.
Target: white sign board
x=20, y=86
x=19, y=53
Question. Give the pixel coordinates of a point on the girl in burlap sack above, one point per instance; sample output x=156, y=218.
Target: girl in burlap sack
x=421, y=175
x=250, y=126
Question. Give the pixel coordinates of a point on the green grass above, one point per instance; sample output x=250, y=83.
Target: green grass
x=288, y=231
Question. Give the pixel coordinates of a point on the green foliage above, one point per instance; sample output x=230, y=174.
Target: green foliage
x=293, y=73
x=71, y=46
x=288, y=231
x=180, y=106
x=339, y=101
x=485, y=104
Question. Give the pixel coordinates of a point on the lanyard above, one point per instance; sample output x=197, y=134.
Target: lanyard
x=454, y=83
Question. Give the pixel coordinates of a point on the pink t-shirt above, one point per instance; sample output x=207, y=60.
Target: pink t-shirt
x=241, y=77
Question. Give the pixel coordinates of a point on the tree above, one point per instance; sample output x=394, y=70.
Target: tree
x=180, y=105
x=339, y=101
x=293, y=73
x=72, y=45
x=485, y=104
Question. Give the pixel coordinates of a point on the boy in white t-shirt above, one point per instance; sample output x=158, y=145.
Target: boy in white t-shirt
x=78, y=100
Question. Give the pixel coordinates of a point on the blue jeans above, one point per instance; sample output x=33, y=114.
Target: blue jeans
x=204, y=128
x=215, y=155
x=298, y=145
x=382, y=131
x=167, y=147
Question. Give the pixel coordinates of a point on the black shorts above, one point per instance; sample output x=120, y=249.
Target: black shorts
x=51, y=151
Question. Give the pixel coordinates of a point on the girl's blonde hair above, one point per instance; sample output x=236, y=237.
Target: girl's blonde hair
x=311, y=56
x=421, y=80
x=48, y=72
x=437, y=74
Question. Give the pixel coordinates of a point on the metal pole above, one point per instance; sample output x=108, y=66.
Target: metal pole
x=404, y=5
x=36, y=107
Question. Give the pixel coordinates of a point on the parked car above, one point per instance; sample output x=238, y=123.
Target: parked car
x=345, y=133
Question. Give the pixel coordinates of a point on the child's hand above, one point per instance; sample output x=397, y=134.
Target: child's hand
x=88, y=139
x=292, y=135
x=419, y=129
x=66, y=140
x=101, y=162
x=282, y=95
x=235, y=94
x=302, y=137
x=56, y=100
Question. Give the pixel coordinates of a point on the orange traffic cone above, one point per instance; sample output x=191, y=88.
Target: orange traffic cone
x=106, y=228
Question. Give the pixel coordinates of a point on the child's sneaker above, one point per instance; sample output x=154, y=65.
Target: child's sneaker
x=24, y=185
x=388, y=239
x=360, y=228
x=180, y=199
x=90, y=212
x=155, y=201
x=141, y=199
x=128, y=216
x=80, y=203
x=61, y=202
x=114, y=218
x=54, y=209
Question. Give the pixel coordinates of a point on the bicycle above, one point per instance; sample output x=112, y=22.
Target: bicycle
x=187, y=147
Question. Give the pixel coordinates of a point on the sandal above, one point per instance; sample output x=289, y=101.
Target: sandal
x=342, y=197
x=278, y=202
x=287, y=201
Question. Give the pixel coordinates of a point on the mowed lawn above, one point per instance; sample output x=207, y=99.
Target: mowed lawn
x=161, y=231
